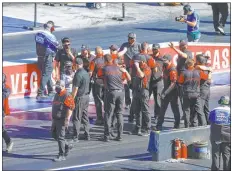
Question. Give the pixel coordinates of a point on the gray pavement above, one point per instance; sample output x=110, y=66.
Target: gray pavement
x=34, y=148
x=22, y=46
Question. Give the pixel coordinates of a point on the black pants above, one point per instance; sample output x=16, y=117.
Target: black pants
x=141, y=109
x=45, y=65
x=80, y=115
x=98, y=95
x=5, y=135
x=219, y=8
x=205, y=95
x=127, y=93
x=58, y=133
x=193, y=114
x=157, y=90
x=223, y=149
x=172, y=98
x=113, y=106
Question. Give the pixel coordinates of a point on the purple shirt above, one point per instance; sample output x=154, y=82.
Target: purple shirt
x=192, y=18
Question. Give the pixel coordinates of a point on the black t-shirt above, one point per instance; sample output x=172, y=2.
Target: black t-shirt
x=62, y=57
x=181, y=61
x=86, y=61
x=81, y=80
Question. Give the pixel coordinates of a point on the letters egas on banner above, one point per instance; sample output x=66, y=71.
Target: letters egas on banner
x=25, y=79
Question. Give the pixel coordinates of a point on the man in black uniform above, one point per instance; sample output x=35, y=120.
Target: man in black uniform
x=5, y=94
x=114, y=95
x=129, y=49
x=201, y=62
x=169, y=93
x=46, y=48
x=183, y=55
x=140, y=86
x=62, y=107
x=192, y=109
x=156, y=83
x=63, y=55
x=80, y=93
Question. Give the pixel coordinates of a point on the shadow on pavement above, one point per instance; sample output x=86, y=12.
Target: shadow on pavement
x=43, y=157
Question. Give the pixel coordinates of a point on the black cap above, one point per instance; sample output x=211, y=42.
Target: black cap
x=65, y=39
x=79, y=61
x=187, y=8
x=60, y=83
x=201, y=58
x=183, y=43
x=113, y=47
x=155, y=46
x=167, y=57
x=84, y=47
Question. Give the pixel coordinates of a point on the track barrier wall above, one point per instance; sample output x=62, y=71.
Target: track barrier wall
x=24, y=78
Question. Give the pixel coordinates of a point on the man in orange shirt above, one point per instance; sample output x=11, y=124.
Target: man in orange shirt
x=5, y=94
x=98, y=87
x=190, y=80
x=169, y=93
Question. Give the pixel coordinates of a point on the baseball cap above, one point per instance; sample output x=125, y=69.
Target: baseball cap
x=224, y=100
x=79, y=61
x=183, y=43
x=60, y=83
x=132, y=35
x=167, y=57
x=144, y=45
x=187, y=8
x=65, y=39
x=113, y=47
x=155, y=46
x=84, y=47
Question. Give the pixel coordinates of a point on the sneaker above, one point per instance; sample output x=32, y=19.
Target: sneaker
x=40, y=96
x=112, y=134
x=86, y=137
x=135, y=131
x=59, y=158
x=221, y=30
x=106, y=139
x=75, y=139
x=217, y=32
x=50, y=94
x=146, y=133
x=140, y=133
x=67, y=149
x=9, y=147
x=118, y=138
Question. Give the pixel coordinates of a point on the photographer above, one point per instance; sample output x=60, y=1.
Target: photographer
x=192, y=21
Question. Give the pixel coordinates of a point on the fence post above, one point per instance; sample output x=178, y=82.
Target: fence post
x=123, y=10
x=35, y=15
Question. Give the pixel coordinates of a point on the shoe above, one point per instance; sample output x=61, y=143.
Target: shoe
x=145, y=133
x=127, y=107
x=67, y=149
x=9, y=147
x=50, y=94
x=86, y=137
x=59, y=158
x=99, y=122
x=176, y=126
x=217, y=32
x=135, y=131
x=106, y=139
x=40, y=96
x=118, y=138
x=75, y=139
x=112, y=134
x=156, y=128
x=221, y=30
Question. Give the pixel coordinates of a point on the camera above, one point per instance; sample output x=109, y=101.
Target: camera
x=179, y=18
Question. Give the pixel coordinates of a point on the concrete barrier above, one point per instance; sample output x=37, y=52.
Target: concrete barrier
x=160, y=143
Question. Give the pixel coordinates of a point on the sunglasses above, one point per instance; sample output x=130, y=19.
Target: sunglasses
x=131, y=38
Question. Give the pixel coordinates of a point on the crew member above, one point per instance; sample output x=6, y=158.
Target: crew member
x=63, y=55
x=114, y=95
x=129, y=49
x=156, y=83
x=62, y=107
x=81, y=95
x=192, y=109
x=169, y=93
x=5, y=110
x=98, y=86
x=138, y=58
x=140, y=86
x=68, y=75
x=46, y=48
x=220, y=135
x=201, y=64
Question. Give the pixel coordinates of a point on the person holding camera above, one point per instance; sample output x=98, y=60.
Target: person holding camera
x=192, y=21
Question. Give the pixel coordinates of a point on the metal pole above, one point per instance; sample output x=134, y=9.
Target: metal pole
x=123, y=10
x=35, y=15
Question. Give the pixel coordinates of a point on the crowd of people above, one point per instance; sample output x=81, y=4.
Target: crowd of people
x=110, y=77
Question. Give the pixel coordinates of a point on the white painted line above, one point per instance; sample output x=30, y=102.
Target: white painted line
x=33, y=110
x=100, y=163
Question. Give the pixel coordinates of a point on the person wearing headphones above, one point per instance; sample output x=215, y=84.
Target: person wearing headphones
x=46, y=48
x=193, y=22
x=220, y=135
